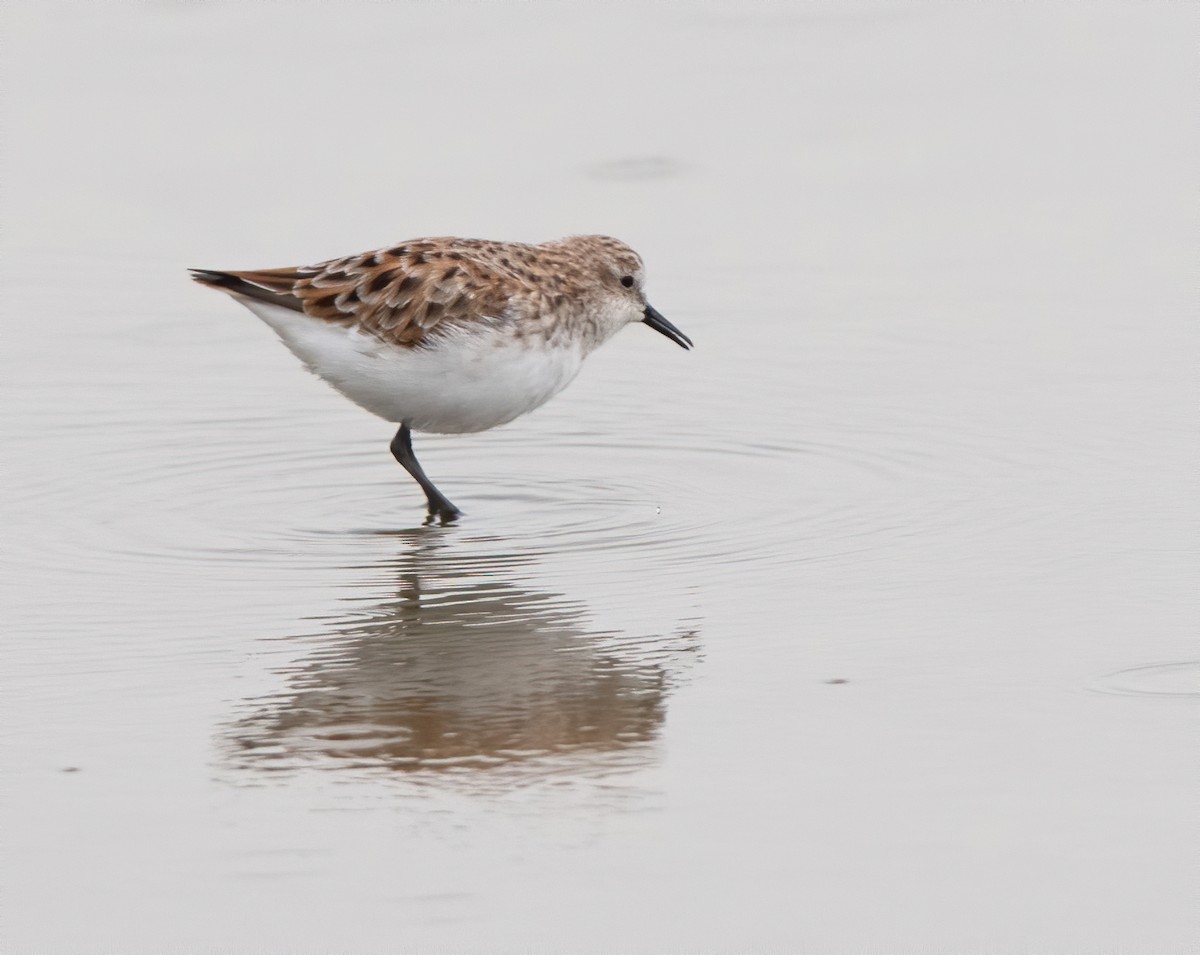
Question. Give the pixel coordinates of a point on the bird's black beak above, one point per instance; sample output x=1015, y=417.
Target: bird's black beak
x=660, y=324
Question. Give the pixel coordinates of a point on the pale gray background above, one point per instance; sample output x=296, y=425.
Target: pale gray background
x=937, y=440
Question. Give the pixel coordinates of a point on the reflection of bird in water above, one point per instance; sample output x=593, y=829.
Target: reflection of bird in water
x=461, y=667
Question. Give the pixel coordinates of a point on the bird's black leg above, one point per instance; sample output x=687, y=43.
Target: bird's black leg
x=439, y=506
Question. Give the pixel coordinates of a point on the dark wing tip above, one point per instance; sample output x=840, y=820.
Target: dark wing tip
x=273, y=287
x=215, y=278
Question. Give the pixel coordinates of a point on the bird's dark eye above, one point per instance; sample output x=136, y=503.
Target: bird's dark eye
x=627, y=281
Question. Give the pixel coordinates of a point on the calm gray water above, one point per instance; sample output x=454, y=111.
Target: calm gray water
x=868, y=625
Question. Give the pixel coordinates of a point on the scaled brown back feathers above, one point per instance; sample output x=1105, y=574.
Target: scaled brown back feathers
x=426, y=287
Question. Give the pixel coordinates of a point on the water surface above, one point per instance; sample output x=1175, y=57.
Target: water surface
x=868, y=625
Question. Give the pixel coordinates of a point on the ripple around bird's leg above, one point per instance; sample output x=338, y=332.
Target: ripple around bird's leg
x=1180, y=679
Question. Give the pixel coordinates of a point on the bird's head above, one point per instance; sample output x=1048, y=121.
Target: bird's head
x=616, y=287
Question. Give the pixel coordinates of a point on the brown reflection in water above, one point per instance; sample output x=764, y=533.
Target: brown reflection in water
x=461, y=667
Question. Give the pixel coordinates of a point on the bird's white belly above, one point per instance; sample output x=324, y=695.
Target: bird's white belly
x=466, y=382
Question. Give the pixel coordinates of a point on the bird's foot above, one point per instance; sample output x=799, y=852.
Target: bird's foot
x=442, y=512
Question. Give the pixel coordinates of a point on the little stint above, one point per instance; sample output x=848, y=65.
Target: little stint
x=451, y=335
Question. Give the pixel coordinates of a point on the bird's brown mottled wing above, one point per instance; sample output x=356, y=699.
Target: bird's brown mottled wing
x=403, y=295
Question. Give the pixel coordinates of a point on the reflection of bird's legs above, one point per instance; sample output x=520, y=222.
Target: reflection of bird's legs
x=409, y=593
x=439, y=505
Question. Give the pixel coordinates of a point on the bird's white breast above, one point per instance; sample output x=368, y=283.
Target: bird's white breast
x=464, y=382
